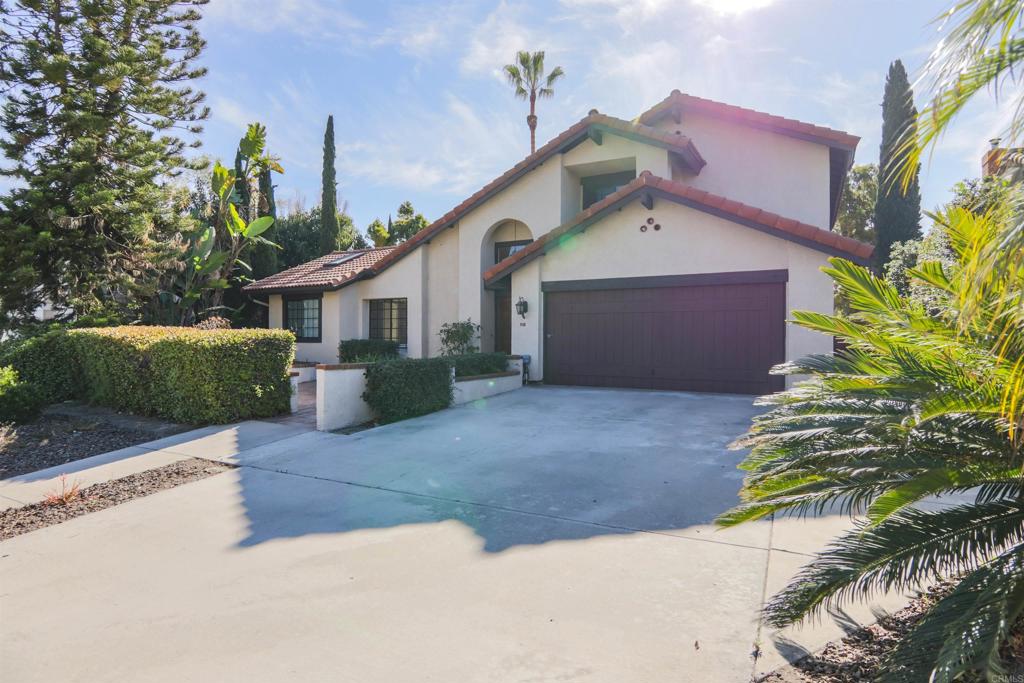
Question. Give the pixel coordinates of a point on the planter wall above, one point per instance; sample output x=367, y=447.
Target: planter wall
x=469, y=389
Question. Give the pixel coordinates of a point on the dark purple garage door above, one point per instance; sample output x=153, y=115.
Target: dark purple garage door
x=718, y=332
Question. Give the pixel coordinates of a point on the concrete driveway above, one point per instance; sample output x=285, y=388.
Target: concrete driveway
x=549, y=534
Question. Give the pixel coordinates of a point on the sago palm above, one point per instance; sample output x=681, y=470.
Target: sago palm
x=920, y=406
x=527, y=76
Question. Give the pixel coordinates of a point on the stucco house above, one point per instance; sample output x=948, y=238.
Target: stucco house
x=663, y=252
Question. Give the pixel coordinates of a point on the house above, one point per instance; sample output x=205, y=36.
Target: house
x=663, y=252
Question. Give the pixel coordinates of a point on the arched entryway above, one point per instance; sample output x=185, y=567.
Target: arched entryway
x=505, y=238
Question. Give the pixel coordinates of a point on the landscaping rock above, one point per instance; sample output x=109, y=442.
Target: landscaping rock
x=67, y=504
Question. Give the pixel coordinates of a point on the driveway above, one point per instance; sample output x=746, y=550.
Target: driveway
x=548, y=534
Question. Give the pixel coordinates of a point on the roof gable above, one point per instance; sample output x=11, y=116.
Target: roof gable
x=648, y=186
x=593, y=126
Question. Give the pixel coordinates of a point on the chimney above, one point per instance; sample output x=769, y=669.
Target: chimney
x=991, y=160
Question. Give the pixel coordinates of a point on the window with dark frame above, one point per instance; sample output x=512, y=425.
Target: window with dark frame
x=597, y=187
x=502, y=250
x=302, y=317
x=389, y=320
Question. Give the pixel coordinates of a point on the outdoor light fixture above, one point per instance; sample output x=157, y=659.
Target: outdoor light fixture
x=522, y=307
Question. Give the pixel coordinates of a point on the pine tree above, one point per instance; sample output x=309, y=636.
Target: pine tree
x=330, y=230
x=408, y=224
x=897, y=209
x=95, y=91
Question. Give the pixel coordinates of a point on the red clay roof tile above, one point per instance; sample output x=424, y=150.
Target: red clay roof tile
x=317, y=274
x=757, y=119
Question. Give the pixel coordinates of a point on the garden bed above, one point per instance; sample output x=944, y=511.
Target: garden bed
x=857, y=657
x=56, y=439
x=17, y=521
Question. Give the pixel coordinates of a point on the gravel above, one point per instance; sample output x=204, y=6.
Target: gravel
x=857, y=657
x=17, y=521
x=57, y=439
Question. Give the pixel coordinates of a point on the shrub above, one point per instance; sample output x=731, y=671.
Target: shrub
x=185, y=374
x=214, y=322
x=470, y=364
x=404, y=388
x=19, y=401
x=359, y=350
x=457, y=338
x=46, y=361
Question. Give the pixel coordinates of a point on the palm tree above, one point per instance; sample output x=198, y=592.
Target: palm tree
x=920, y=405
x=528, y=79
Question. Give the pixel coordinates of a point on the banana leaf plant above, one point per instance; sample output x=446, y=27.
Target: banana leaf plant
x=213, y=254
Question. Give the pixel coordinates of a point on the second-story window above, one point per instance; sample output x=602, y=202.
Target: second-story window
x=597, y=187
x=502, y=250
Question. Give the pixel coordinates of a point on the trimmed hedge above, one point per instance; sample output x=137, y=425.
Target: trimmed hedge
x=408, y=387
x=469, y=364
x=358, y=350
x=19, y=401
x=185, y=374
x=47, y=361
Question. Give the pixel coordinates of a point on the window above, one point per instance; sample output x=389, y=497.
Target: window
x=389, y=320
x=302, y=316
x=502, y=250
x=597, y=187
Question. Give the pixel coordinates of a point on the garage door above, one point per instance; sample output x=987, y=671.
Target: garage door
x=717, y=332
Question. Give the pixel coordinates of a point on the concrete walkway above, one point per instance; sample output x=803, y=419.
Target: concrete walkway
x=549, y=534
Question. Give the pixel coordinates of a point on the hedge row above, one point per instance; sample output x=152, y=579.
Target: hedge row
x=363, y=350
x=181, y=374
x=408, y=387
x=20, y=401
x=470, y=364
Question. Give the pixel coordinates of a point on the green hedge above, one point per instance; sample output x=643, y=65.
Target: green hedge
x=19, y=401
x=469, y=364
x=186, y=375
x=361, y=350
x=47, y=361
x=404, y=388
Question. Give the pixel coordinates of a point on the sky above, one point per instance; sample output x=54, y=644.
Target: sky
x=423, y=113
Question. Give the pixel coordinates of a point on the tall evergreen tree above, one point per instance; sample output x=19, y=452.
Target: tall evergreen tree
x=898, y=209
x=330, y=230
x=94, y=92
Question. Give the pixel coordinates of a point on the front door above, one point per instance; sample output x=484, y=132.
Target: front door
x=503, y=320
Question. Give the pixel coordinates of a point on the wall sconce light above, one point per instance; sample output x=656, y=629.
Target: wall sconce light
x=522, y=307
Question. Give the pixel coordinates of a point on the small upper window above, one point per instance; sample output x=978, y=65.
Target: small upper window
x=302, y=316
x=389, y=320
x=597, y=187
x=502, y=250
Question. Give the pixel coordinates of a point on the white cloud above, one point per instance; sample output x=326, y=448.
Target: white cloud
x=452, y=151
x=305, y=18
x=733, y=8
x=496, y=40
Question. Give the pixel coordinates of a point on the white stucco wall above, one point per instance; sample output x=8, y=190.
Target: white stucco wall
x=332, y=326
x=770, y=171
x=689, y=242
x=403, y=280
x=442, y=263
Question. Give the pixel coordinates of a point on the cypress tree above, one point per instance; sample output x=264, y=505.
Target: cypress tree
x=897, y=211
x=330, y=230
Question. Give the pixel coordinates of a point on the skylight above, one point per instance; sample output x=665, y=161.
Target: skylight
x=338, y=261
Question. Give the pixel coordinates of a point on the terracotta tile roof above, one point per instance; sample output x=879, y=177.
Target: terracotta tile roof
x=679, y=144
x=318, y=274
x=678, y=102
x=723, y=207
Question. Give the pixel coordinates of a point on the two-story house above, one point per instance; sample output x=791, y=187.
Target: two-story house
x=658, y=253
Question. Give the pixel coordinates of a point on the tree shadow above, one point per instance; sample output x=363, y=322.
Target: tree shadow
x=525, y=468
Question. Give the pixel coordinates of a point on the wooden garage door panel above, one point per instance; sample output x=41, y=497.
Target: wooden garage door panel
x=721, y=338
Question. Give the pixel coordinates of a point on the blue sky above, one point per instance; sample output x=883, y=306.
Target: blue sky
x=422, y=113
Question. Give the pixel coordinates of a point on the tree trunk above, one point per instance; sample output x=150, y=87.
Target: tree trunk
x=531, y=121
